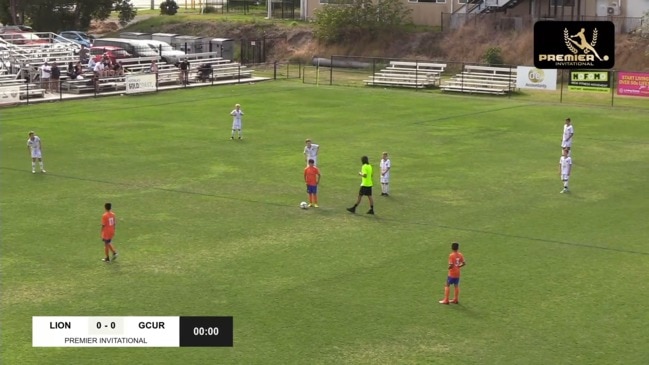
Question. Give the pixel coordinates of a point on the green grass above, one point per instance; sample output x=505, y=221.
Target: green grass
x=208, y=226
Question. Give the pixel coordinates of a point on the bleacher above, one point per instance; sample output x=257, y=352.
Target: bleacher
x=407, y=74
x=483, y=80
x=26, y=89
x=168, y=74
x=21, y=66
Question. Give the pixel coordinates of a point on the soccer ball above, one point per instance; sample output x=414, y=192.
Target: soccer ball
x=304, y=205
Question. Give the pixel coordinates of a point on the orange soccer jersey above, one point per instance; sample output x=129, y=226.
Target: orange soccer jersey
x=455, y=259
x=108, y=225
x=311, y=175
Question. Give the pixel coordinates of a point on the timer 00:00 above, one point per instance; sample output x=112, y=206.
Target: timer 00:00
x=209, y=331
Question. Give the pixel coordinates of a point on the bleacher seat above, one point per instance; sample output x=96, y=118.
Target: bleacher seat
x=483, y=80
x=407, y=74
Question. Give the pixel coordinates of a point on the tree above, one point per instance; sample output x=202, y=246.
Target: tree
x=168, y=7
x=56, y=15
x=350, y=19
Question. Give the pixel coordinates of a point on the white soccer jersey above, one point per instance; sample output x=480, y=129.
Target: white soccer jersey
x=565, y=163
x=385, y=166
x=567, y=131
x=311, y=152
x=34, y=146
x=236, y=118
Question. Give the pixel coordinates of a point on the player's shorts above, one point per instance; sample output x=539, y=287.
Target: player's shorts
x=566, y=144
x=36, y=153
x=452, y=281
x=312, y=189
x=564, y=177
x=236, y=125
x=365, y=190
x=385, y=179
x=107, y=240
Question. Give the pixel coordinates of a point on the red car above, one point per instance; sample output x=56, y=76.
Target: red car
x=18, y=37
x=113, y=53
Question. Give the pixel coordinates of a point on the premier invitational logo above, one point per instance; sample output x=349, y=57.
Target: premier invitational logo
x=583, y=45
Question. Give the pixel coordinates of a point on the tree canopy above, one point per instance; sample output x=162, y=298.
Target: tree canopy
x=57, y=15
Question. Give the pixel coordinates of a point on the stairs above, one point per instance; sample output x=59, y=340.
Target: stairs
x=486, y=6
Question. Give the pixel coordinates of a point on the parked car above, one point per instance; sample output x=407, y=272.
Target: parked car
x=138, y=48
x=113, y=53
x=19, y=37
x=79, y=37
x=22, y=28
x=166, y=52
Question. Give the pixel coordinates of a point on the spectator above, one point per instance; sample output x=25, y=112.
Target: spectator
x=154, y=70
x=184, y=72
x=118, y=70
x=108, y=69
x=84, y=54
x=204, y=72
x=91, y=63
x=71, y=71
x=46, y=72
x=98, y=72
x=78, y=71
x=55, y=77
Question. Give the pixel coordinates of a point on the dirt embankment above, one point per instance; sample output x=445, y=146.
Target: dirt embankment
x=469, y=44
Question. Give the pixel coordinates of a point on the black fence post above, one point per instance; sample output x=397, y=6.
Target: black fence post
x=331, y=70
x=275, y=70
x=417, y=75
x=26, y=95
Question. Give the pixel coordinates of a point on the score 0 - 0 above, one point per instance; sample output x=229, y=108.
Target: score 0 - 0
x=106, y=326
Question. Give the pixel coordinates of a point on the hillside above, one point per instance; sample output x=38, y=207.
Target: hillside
x=295, y=41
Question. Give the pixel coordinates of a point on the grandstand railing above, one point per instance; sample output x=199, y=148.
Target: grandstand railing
x=498, y=22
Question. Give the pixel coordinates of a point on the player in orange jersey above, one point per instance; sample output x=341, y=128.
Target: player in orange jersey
x=455, y=262
x=108, y=232
x=312, y=179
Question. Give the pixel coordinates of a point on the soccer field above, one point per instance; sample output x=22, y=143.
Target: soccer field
x=207, y=226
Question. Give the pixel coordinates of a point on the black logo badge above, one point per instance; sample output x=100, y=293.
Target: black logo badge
x=582, y=45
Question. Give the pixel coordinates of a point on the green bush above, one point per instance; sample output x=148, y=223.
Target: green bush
x=210, y=9
x=341, y=20
x=493, y=56
x=168, y=7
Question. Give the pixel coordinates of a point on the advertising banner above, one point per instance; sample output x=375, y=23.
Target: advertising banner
x=140, y=83
x=633, y=83
x=597, y=81
x=536, y=78
x=10, y=95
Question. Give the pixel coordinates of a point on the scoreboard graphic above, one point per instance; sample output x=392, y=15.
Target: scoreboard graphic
x=184, y=331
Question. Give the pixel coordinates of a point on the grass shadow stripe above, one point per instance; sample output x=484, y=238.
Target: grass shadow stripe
x=481, y=112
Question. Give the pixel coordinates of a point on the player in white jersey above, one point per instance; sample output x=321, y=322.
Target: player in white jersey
x=565, y=167
x=385, y=175
x=311, y=152
x=236, y=114
x=568, y=132
x=35, y=149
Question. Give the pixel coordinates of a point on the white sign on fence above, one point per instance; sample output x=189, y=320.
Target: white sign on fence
x=10, y=95
x=140, y=83
x=535, y=78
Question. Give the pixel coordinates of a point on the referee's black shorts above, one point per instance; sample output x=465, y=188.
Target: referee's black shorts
x=365, y=190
